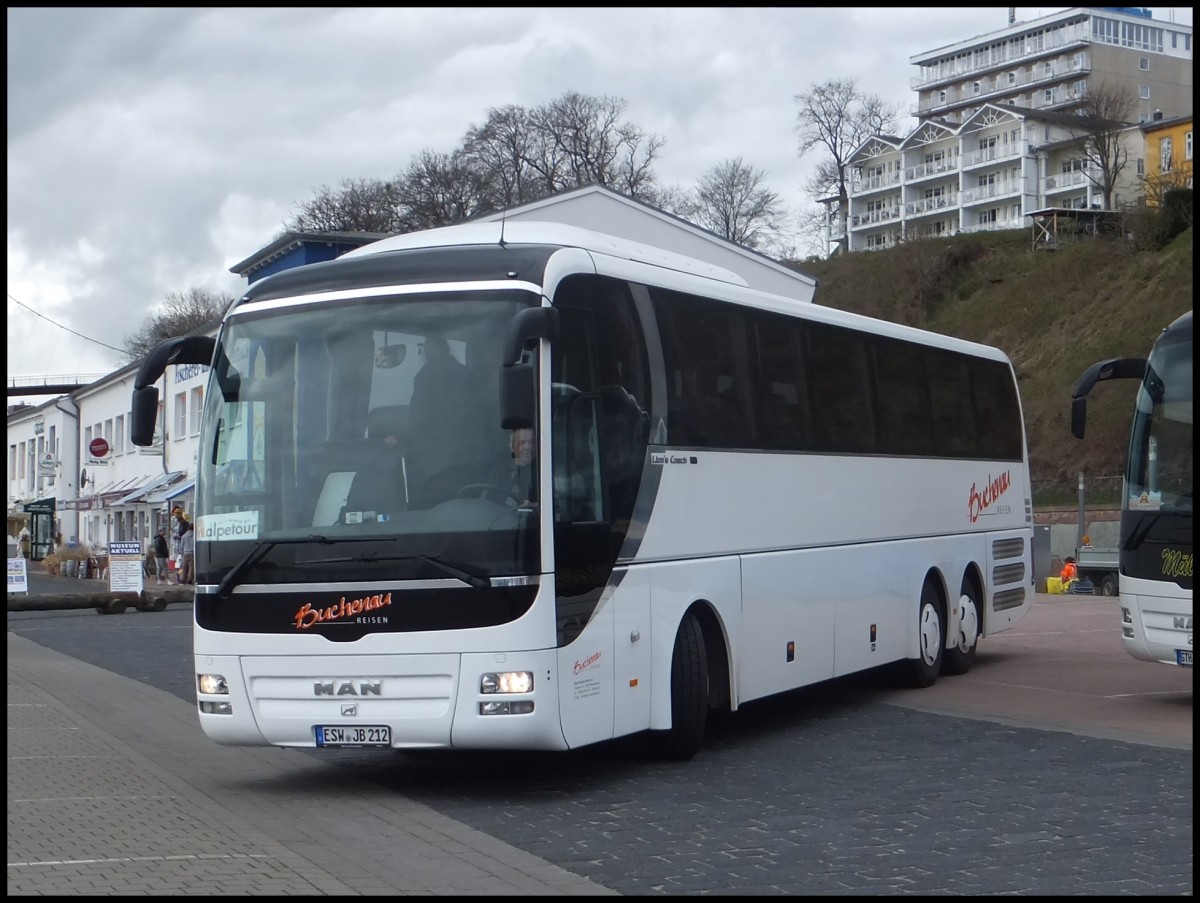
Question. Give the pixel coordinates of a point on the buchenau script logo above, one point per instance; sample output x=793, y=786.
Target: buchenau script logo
x=581, y=666
x=307, y=616
x=982, y=499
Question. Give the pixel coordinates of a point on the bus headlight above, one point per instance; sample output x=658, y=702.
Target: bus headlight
x=507, y=682
x=212, y=684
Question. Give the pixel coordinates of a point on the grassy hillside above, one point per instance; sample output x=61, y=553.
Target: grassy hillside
x=1053, y=312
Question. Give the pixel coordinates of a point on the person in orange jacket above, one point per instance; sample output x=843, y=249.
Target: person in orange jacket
x=1069, y=571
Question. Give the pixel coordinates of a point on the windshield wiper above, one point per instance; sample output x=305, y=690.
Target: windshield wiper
x=476, y=580
x=234, y=574
x=454, y=569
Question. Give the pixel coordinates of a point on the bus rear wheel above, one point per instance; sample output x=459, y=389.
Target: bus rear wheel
x=959, y=657
x=689, y=694
x=923, y=670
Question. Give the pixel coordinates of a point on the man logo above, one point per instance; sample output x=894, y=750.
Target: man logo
x=348, y=688
x=349, y=710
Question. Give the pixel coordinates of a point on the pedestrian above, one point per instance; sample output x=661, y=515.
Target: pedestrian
x=1069, y=572
x=161, y=552
x=187, y=543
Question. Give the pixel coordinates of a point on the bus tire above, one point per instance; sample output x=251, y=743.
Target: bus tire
x=923, y=670
x=1109, y=585
x=689, y=694
x=957, y=659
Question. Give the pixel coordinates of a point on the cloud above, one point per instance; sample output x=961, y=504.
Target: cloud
x=150, y=149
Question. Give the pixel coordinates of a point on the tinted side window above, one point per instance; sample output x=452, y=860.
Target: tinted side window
x=902, y=392
x=954, y=432
x=997, y=411
x=778, y=346
x=708, y=384
x=839, y=381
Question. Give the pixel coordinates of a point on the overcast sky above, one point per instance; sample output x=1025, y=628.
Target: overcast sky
x=149, y=150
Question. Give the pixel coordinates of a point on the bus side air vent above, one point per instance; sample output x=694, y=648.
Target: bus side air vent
x=1008, y=573
x=1008, y=598
x=1008, y=548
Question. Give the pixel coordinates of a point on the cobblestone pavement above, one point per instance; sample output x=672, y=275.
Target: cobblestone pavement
x=830, y=790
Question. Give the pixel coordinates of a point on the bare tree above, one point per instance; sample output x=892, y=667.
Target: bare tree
x=579, y=140
x=515, y=157
x=1100, y=135
x=500, y=150
x=674, y=199
x=179, y=314
x=441, y=190
x=836, y=117
x=356, y=205
x=733, y=202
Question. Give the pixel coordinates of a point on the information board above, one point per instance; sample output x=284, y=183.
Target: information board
x=18, y=578
x=125, y=561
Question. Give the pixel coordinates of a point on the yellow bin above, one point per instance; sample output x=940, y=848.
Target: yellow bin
x=1054, y=585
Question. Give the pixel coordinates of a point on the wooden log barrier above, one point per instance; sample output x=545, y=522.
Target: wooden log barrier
x=104, y=601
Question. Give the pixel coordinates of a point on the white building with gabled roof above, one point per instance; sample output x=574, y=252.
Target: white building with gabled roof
x=603, y=210
x=988, y=173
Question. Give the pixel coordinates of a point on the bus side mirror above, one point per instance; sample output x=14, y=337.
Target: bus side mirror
x=186, y=349
x=518, y=388
x=1114, y=368
x=144, y=414
x=1078, y=416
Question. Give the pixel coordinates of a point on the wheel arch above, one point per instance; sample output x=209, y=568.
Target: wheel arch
x=716, y=647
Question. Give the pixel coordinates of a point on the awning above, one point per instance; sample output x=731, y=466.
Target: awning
x=139, y=495
x=176, y=491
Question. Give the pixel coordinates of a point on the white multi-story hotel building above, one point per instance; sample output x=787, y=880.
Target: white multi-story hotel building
x=996, y=138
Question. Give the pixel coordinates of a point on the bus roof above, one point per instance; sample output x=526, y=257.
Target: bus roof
x=547, y=233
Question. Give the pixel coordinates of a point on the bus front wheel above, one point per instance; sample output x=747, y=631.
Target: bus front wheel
x=923, y=670
x=689, y=694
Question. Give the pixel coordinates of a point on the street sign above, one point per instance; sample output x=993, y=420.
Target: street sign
x=98, y=447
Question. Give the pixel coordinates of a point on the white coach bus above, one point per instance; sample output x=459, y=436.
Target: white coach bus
x=730, y=495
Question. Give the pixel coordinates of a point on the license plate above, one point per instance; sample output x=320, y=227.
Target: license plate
x=353, y=735
x=1183, y=657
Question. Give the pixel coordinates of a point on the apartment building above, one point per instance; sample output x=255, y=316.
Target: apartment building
x=1049, y=63
x=997, y=134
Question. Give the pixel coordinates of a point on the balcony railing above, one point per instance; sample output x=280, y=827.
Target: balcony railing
x=931, y=205
x=931, y=170
x=999, y=225
x=964, y=67
x=875, y=217
x=877, y=183
x=991, y=155
x=1066, y=181
x=1000, y=189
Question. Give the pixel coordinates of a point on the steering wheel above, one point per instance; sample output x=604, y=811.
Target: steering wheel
x=488, y=491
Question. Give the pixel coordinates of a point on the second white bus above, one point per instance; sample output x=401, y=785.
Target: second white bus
x=735, y=494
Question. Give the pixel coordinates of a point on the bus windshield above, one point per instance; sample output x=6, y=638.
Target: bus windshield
x=1160, y=456
x=360, y=439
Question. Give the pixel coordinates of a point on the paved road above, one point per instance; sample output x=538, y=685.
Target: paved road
x=1057, y=766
